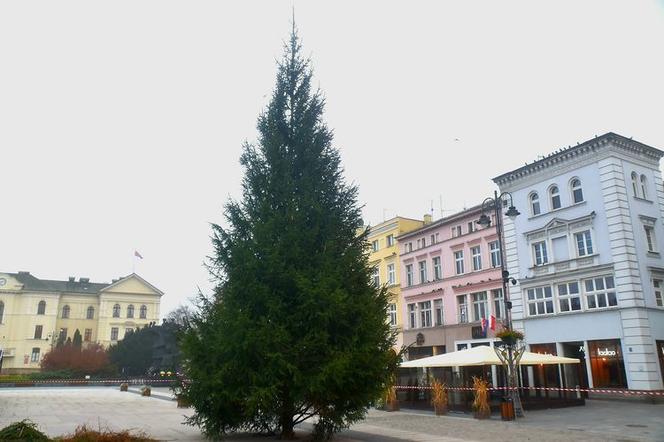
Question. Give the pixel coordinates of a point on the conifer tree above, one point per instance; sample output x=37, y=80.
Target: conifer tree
x=295, y=329
x=78, y=340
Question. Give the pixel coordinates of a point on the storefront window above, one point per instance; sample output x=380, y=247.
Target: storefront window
x=606, y=361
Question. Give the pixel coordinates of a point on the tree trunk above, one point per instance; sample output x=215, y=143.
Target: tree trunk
x=287, y=427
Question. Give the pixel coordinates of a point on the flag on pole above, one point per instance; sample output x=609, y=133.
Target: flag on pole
x=138, y=255
x=492, y=322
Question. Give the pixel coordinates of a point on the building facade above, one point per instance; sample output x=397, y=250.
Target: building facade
x=35, y=312
x=384, y=259
x=450, y=281
x=587, y=253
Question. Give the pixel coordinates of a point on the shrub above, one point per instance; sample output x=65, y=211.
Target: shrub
x=84, y=434
x=89, y=360
x=24, y=430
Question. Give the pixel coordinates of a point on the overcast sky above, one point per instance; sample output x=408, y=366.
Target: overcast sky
x=121, y=123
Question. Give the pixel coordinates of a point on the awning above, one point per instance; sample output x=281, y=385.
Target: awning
x=483, y=355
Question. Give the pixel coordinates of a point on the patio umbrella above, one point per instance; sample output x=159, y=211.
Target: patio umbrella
x=483, y=355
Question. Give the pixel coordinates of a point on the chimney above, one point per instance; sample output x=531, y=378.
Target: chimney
x=427, y=219
x=85, y=280
x=72, y=278
x=23, y=272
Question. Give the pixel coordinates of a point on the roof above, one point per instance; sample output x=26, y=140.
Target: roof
x=82, y=285
x=442, y=221
x=572, y=152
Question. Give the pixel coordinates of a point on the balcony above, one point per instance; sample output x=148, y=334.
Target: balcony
x=566, y=265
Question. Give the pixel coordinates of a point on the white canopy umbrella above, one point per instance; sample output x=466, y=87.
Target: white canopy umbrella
x=483, y=355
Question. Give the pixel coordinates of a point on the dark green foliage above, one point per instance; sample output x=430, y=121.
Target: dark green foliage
x=146, y=350
x=24, y=430
x=296, y=329
x=78, y=339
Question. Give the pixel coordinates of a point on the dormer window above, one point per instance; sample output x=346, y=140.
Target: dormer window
x=554, y=194
x=534, y=204
x=577, y=191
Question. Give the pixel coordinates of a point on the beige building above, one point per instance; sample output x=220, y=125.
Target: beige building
x=35, y=312
x=384, y=258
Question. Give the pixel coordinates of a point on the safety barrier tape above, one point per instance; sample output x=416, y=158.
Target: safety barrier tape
x=588, y=390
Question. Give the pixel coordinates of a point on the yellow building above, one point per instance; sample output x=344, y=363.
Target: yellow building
x=35, y=312
x=384, y=257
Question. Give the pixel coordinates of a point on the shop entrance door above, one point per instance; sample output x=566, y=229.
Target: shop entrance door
x=660, y=353
x=575, y=374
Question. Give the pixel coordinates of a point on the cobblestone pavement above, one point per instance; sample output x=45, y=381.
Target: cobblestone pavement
x=60, y=410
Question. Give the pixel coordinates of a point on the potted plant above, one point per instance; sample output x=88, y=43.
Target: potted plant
x=146, y=390
x=124, y=386
x=509, y=336
x=439, y=398
x=481, y=401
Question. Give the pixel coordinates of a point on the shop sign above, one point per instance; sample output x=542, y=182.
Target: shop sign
x=605, y=352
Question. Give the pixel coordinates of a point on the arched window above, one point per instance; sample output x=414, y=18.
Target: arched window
x=65, y=312
x=144, y=312
x=116, y=311
x=41, y=308
x=635, y=185
x=90, y=313
x=534, y=204
x=577, y=191
x=555, y=197
x=2, y=310
x=644, y=187
x=130, y=311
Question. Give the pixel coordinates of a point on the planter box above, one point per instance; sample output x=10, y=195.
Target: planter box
x=440, y=410
x=124, y=387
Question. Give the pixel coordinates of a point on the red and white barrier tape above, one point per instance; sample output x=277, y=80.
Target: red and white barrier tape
x=584, y=390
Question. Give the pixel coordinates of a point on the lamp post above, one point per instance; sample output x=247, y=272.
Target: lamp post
x=509, y=353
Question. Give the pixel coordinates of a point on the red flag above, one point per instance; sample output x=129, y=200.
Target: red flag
x=492, y=322
x=138, y=255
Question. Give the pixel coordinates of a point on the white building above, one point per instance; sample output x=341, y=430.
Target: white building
x=587, y=253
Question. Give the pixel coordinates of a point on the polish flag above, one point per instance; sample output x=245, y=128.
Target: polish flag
x=492, y=322
x=137, y=255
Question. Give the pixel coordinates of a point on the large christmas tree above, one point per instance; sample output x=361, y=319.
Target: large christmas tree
x=296, y=329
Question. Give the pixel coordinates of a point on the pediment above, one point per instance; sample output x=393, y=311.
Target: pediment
x=559, y=225
x=132, y=284
x=8, y=282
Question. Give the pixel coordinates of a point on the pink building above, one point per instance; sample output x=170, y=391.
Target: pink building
x=450, y=280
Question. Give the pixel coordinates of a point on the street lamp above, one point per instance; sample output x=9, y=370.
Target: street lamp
x=509, y=354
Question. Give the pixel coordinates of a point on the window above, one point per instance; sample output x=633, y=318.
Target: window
x=456, y=231
x=35, y=355
x=38, y=331
x=65, y=312
x=541, y=257
x=130, y=311
x=392, y=314
x=458, y=262
x=391, y=274
x=143, y=312
x=425, y=314
x=600, y=292
x=90, y=314
x=412, y=316
x=128, y=331
x=540, y=301
x=650, y=238
x=657, y=285
x=2, y=310
x=568, y=297
x=424, y=242
x=577, y=191
x=477, y=257
x=389, y=239
x=480, y=305
x=498, y=303
x=409, y=247
x=116, y=311
x=494, y=251
x=438, y=311
x=423, y=272
x=644, y=187
x=635, y=185
x=437, y=269
x=63, y=334
x=584, y=245
x=374, y=245
x=375, y=276
x=463, y=309
x=433, y=239
x=471, y=227
x=87, y=337
x=554, y=194
x=41, y=308
x=409, y=275
x=534, y=204
x=114, y=334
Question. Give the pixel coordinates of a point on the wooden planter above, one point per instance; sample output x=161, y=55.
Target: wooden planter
x=482, y=414
x=124, y=387
x=440, y=410
x=146, y=391
x=392, y=406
